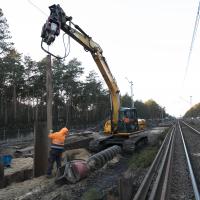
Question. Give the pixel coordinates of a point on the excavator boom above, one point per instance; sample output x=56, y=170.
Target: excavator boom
x=124, y=121
x=58, y=21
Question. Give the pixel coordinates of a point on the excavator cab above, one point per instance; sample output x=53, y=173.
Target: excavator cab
x=128, y=120
x=127, y=123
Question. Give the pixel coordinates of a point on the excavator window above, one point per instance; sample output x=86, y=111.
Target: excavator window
x=133, y=114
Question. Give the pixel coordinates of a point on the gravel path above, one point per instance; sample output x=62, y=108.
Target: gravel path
x=180, y=188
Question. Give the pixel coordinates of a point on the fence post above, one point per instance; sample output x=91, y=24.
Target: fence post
x=126, y=188
x=20, y=134
x=33, y=134
x=1, y=174
x=4, y=135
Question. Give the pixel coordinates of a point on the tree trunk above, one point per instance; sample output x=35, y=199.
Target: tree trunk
x=1, y=108
x=28, y=114
x=6, y=113
x=67, y=112
x=14, y=103
x=36, y=111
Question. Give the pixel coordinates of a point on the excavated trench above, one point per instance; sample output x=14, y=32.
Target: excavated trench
x=21, y=168
x=104, y=183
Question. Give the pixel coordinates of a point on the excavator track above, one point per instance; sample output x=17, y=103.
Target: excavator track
x=129, y=145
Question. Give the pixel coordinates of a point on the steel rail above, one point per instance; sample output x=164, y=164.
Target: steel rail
x=164, y=193
x=194, y=184
x=160, y=185
x=148, y=179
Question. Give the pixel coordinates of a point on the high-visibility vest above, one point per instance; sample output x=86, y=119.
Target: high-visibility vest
x=58, y=138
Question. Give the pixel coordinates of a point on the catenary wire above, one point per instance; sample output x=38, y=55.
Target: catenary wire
x=37, y=8
x=192, y=42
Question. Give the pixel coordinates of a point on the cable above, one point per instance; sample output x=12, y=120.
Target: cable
x=37, y=7
x=192, y=42
x=68, y=46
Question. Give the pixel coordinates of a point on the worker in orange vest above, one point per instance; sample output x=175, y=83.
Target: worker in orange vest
x=126, y=122
x=57, y=147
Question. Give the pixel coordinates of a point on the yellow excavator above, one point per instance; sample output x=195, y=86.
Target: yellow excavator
x=123, y=121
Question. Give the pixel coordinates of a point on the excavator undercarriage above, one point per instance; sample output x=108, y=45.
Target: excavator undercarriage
x=128, y=143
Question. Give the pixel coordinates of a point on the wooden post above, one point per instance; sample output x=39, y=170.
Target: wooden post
x=49, y=88
x=1, y=174
x=126, y=188
x=4, y=134
x=42, y=129
x=49, y=93
x=40, y=149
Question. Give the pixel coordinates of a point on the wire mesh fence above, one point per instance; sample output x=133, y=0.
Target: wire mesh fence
x=15, y=135
x=10, y=135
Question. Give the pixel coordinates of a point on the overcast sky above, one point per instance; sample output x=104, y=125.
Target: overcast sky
x=146, y=41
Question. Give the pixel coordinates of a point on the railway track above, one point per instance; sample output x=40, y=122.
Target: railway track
x=192, y=142
x=174, y=173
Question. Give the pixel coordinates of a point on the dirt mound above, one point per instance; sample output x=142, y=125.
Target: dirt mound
x=82, y=154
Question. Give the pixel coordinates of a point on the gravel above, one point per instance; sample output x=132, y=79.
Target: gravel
x=180, y=188
x=192, y=141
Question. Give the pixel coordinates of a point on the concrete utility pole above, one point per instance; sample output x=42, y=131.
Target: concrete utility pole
x=131, y=86
x=162, y=113
x=41, y=129
x=190, y=101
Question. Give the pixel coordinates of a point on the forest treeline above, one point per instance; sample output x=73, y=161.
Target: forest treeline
x=194, y=111
x=76, y=100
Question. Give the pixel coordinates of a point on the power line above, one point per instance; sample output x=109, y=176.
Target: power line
x=37, y=7
x=192, y=42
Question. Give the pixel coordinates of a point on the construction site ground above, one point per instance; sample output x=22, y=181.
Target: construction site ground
x=105, y=183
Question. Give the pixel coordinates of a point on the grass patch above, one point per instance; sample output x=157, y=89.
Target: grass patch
x=143, y=158
x=163, y=134
x=92, y=194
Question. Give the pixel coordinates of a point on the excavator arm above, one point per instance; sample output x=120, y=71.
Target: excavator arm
x=57, y=21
